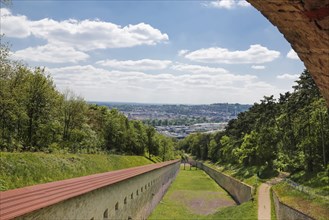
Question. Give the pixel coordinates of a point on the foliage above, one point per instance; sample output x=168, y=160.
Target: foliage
x=36, y=117
x=289, y=134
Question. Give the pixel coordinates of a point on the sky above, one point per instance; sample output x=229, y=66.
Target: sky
x=186, y=52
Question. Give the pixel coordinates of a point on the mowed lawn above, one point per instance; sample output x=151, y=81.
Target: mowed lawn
x=193, y=195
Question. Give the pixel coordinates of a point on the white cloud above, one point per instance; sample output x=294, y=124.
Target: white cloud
x=243, y=3
x=255, y=54
x=100, y=84
x=182, y=52
x=186, y=68
x=51, y=54
x=292, y=55
x=227, y=4
x=288, y=76
x=84, y=35
x=258, y=67
x=13, y=26
x=144, y=64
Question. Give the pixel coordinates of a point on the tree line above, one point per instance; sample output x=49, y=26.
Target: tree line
x=35, y=116
x=290, y=133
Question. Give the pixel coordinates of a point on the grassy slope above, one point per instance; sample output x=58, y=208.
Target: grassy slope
x=198, y=183
x=244, y=174
x=24, y=169
x=156, y=159
x=314, y=207
x=318, y=181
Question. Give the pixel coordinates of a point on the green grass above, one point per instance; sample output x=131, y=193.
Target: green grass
x=156, y=159
x=195, y=185
x=24, y=169
x=247, y=175
x=318, y=181
x=273, y=214
x=247, y=210
x=315, y=207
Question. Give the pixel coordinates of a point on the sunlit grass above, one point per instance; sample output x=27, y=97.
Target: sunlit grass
x=273, y=213
x=24, y=169
x=155, y=159
x=247, y=210
x=247, y=175
x=318, y=181
x=314, y=207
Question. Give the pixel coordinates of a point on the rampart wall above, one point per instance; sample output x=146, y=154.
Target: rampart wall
x=130, y=194
x=285, y=212
x=240, y=191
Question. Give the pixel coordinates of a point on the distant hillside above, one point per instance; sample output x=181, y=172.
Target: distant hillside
x=178, y=114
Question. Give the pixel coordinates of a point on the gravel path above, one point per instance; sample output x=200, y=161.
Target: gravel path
x=264, y=199
x=264, y=202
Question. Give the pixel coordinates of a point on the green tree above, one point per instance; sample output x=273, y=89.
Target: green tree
x=40, y=97
x=247, y=153
x=74, y=111
x=152, y=148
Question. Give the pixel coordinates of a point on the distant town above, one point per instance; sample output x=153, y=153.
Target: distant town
x=180, y=120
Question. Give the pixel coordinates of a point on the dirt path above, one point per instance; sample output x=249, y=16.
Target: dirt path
x=264, y=199
x=264, y=202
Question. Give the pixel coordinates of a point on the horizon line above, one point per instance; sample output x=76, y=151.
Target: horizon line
x=148, y=103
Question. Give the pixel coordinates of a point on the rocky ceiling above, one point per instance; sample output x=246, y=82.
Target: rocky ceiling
x=305, y=24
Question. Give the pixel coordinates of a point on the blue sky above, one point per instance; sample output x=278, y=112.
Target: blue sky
x=191, y=52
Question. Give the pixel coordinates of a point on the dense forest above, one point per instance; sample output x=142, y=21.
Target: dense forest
x=290, y=133
x=35, y=116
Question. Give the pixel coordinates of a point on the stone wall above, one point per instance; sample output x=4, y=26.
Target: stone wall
x=305, y=25
x=240, y=192
x=285, y=212
x=134, y=198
